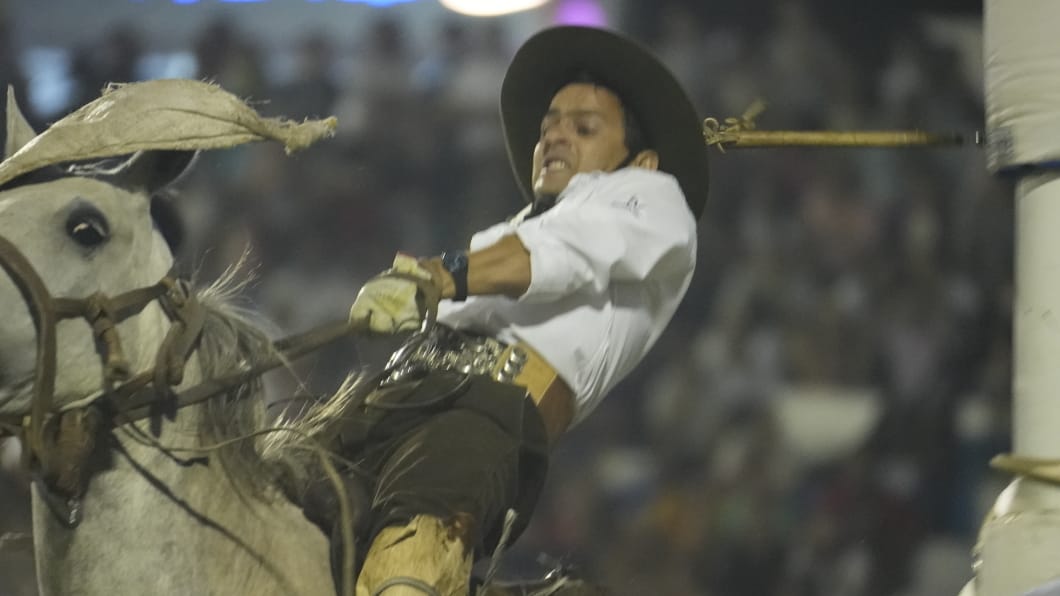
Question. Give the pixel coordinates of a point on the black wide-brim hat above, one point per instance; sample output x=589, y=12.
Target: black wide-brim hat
x=557, y=56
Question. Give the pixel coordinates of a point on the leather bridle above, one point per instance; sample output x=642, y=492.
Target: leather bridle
x=125, y=398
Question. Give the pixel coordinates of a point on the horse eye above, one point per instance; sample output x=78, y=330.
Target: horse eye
x=87, y=226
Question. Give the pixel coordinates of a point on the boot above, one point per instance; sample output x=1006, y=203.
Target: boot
x=421, y=558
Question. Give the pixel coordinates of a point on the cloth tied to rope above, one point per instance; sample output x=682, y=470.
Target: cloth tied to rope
x=171, y=114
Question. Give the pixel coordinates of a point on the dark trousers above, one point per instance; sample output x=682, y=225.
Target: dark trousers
x=461, y=448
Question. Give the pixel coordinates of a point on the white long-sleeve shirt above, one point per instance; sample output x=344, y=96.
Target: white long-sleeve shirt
x=609, y=263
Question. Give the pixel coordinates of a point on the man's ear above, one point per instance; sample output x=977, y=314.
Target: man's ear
x=647, y=159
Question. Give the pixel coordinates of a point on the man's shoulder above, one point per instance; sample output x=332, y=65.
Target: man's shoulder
x=640, y=175
x=633, y=179
x=634, y=189
x=643, y=182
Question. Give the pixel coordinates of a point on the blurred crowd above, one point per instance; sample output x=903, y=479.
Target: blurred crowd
x=819, y=416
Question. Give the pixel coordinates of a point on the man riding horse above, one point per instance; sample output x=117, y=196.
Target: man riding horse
x=522, y=335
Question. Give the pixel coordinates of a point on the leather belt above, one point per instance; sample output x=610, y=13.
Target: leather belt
x=554, y=399
x=443, y=349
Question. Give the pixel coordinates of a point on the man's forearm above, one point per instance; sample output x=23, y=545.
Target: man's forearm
x=501, y=268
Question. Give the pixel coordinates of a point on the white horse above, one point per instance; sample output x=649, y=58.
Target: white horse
x=152, y=520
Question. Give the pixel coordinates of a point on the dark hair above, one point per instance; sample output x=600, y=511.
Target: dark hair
x=636, y=141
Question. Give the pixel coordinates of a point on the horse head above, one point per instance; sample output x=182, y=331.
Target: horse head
x=84, y=230
x=92, y=316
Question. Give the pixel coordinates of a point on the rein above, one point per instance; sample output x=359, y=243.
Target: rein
x=126, y=406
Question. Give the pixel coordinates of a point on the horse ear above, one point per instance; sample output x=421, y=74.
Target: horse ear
x=152, y=171
x=168, y=221
x=19, y=132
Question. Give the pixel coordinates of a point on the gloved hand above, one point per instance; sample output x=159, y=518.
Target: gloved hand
x=396, y=300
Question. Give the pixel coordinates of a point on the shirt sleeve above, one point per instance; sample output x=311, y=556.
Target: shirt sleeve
x=628, y=231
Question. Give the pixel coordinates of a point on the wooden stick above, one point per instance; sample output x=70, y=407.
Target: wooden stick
x=740, y=133
x=742, y=139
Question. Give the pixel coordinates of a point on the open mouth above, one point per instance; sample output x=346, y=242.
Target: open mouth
x=555, y=165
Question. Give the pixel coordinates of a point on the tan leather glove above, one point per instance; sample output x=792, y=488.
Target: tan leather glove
x=396, y=300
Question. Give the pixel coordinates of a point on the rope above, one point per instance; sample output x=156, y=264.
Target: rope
x=740, y=133
x=714, y=133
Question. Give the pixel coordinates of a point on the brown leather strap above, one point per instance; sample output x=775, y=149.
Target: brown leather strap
x=103, y=313
x=39, y=302
x=554, y=399
x=188, y=316
x=70, y=438
x=121, y=307
x=556, y=405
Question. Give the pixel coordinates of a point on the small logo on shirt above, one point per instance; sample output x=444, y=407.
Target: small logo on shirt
x=632, y=204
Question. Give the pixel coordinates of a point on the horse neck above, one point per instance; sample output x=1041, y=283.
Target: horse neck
x=173, y=522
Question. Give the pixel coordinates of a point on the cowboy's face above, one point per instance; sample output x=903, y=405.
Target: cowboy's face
x=583, y=131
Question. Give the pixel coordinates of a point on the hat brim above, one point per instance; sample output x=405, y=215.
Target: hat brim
x=556, y=56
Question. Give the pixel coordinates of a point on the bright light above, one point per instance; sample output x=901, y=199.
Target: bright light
x=380, y=3
x=581, y=12
x=490, y=8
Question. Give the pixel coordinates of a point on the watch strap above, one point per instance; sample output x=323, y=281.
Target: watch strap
x=455, y=262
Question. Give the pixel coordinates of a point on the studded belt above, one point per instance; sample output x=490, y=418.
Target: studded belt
x=441, y=348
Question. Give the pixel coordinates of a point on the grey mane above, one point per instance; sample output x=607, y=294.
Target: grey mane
x=234, y=338
x=283, y=451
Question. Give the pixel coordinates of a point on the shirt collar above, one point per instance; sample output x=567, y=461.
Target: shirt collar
x=579, y=179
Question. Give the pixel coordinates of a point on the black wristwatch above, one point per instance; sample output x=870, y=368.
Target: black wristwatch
x=455, y=262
